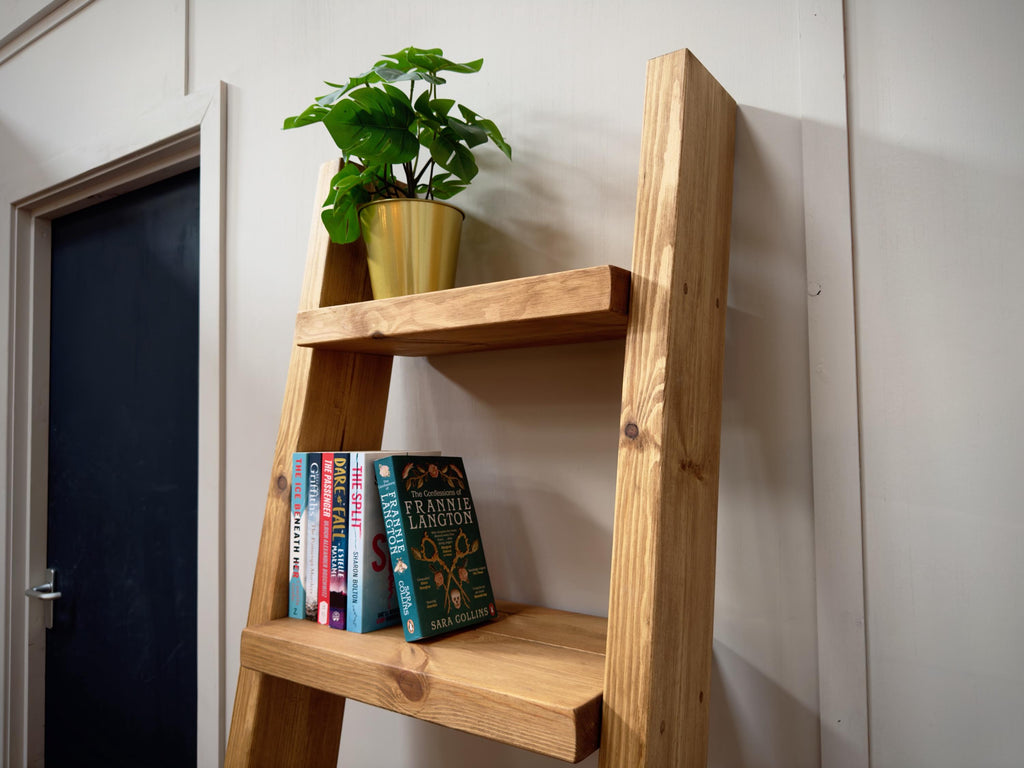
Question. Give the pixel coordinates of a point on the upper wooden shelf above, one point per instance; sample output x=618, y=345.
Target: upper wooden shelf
x=563, y=307
x=532, y=678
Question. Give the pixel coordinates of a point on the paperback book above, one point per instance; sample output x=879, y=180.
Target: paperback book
x=296, y=542
x=434, y=540
x=338, y=592
x=324, y=531
x=311, y=528
x=372, y=602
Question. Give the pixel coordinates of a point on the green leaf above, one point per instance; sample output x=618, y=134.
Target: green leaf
x=342, y=220
x=432, y=62
x=367, y=78
x=442, y=107
x=444, y=186
x=340, y=210
x=350, y=177
x=429, y=60
x=473, y=135
x=400, y=60
x=432, y=113
x=314, y=113
x=392, y=74
x=450, y=154
x=373, y=126
x=489, y=127
x=400, y=99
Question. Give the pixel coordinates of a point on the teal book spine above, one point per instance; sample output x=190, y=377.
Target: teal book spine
x=391, y=511
x=296, y=543
x=430, y=520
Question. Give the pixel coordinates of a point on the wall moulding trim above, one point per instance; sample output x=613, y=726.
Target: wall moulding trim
x=49, y=18
x=134, y=171
x=835, y=429
x=181, y=135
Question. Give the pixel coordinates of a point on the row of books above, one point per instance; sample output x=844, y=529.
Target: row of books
x=381, y=538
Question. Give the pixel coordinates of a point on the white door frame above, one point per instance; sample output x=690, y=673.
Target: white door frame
x=183, y=135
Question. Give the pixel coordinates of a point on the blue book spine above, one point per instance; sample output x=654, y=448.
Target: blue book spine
x=339, y=543
x=400, y=557
x=296, y=592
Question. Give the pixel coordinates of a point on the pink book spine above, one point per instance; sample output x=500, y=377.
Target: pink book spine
x=323, y=581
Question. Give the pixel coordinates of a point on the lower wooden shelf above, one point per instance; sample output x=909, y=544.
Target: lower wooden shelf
x=532, y=678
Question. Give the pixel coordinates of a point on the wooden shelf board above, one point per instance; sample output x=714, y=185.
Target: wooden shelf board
x=589, y=304
x=532, y=678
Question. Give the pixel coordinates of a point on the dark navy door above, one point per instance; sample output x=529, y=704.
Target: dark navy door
x=121, y=531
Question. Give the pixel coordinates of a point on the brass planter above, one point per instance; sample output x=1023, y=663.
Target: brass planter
x=412, y=246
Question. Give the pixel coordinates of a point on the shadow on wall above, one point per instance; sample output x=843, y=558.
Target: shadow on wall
x=765, y=672
x=766, y=389
x=552, y=211
x=754, y=720
x=542, y=472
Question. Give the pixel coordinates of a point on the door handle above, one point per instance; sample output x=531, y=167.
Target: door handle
x=45, y=591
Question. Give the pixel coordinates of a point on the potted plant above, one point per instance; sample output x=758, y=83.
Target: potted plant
x=403, y=154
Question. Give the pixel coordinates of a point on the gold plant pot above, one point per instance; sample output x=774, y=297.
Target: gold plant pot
x=412, y=246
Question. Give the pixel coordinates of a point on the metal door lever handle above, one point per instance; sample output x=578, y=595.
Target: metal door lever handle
x=44, y=591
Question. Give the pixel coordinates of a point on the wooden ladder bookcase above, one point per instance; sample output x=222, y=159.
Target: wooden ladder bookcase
x=554, y=682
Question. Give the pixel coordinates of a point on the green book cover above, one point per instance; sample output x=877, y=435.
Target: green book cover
x=436, y=553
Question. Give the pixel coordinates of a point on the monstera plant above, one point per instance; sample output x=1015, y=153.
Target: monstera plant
x=398, y=137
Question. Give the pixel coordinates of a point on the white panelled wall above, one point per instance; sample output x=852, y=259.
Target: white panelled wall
x=936, y=121
x=937, y=139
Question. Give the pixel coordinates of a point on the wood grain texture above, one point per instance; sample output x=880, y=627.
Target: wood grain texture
x=279, y=724
x=579, y=305
x=532, y=678
x=333, y=400
x=663, y=556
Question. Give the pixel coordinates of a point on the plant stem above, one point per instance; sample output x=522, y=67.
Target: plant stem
x=430, y=166
x=410, y=179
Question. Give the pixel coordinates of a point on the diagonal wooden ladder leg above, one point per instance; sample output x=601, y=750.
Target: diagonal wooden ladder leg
x=660, y=617
x=333, y=400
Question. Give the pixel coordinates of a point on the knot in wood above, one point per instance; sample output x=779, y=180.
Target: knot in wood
x=692, y=468
x=412, y=685
x=632, y=431
x=282, y=483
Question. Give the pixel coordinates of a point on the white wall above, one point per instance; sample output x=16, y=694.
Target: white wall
x=937, y=120
x=565, y=83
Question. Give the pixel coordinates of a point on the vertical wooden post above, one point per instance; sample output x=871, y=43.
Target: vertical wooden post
x=661, y=603
x=332, y=400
